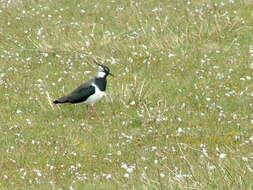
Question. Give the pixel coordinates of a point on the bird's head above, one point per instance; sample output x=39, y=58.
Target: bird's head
x=104, y=71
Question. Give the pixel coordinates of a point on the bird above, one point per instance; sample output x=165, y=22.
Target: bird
x=89, y=92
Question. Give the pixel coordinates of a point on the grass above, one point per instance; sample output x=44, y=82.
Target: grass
x=177, y=116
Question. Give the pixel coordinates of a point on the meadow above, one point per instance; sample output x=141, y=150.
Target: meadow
x=178, y=115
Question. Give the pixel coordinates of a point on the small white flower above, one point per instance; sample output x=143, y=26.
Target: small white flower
x=180, y=130
x=18, y=111
x=126, y=175
x=109, y=176
x=153, y=148
x=222, y=155
x=120, y=9
x=51, y=182
x=129, y=170
x=132, y=103
x=124, y=166
x=29, y=122
x=86, y=72
x=171, y=55
x=251, y=65
x=157, y=10
x=87, y=44
x=38, y=173
x=248, y=78
x=40, y=31
x=212, y=167
x=162, y=175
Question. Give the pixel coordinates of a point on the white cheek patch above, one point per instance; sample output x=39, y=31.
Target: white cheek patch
x=100, y=74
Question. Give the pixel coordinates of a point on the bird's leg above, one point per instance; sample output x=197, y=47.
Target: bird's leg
x=98, y=115
x=89, y=112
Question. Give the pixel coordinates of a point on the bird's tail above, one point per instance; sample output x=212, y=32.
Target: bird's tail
x=61, y=100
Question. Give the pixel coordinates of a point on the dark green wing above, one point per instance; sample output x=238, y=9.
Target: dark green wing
x=82, y=92
x=79, y=95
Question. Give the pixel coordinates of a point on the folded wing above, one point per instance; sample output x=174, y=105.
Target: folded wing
x=79, y=95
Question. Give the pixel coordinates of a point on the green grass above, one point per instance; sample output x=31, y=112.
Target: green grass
x=177, y=116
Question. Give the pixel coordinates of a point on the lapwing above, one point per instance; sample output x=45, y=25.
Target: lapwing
x=89, y=92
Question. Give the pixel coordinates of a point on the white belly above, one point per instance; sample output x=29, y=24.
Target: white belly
x=96, y=96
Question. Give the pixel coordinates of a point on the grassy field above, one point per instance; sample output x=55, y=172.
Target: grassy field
x=178, y=114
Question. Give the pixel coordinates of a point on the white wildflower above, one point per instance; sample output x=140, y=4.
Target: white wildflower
x=222, y=155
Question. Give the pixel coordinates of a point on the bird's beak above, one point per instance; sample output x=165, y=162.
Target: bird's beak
x=111, y=74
